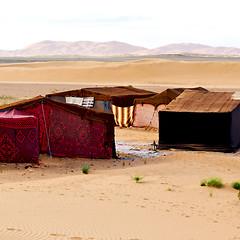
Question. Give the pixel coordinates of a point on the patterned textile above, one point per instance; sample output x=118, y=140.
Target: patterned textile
x=69, y=135
x=37, y=110
x=123, y=116
x=81, y=101
x=18, y=137
x=72, y=136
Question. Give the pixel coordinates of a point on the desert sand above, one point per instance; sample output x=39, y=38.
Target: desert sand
x=143, y=72
x=57, y=201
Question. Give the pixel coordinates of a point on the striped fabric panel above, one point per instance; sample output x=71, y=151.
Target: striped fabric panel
x=81, y=101
x=123, y=115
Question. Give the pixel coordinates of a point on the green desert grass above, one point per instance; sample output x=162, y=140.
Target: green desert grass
x=236, y=185
x=7, y=97
x=85, y=169
x=137, y=178
x=212, y=182
x=203, y=182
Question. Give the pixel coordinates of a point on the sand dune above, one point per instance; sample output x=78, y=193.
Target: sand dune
x=154, y=72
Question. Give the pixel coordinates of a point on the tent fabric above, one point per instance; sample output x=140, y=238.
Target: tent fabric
x=109, y=99
x=42, y=113
x=164, y=97
x=71, y=136
x=100, y=136
x=18, y=137
x=195, y=131
x=146, y=115
x=200, y=120
x=122, y=96
x=85, y=102
x=86, y=113
x=201, y=101
x=104, y=106
x=123, y=115
x=146, y=109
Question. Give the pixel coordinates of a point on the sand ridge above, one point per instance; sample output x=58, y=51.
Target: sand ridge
x=149, y=71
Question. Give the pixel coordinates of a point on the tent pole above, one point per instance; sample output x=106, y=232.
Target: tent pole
x=50, y=153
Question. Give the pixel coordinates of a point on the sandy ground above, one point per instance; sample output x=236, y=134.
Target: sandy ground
x=57, y=201
x=143, y=72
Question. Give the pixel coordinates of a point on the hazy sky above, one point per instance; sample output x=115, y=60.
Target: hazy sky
x=148, y=23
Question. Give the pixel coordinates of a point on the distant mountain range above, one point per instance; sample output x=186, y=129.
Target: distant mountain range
x=87, y=48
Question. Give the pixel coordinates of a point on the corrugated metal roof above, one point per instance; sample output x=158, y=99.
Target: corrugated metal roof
x=201, y=101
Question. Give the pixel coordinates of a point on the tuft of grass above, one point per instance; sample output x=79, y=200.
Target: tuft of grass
x=236, y=185
x=85, y=169
x=7, y=97
x=1, y=170
x=203, y=182
x=211, y=194
x=170, y=189
x=123, y=163
x=212, y=182
x=137, y=178
x=215, y=182
x=239, y=195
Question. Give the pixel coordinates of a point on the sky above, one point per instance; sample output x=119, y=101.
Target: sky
x=148, y=23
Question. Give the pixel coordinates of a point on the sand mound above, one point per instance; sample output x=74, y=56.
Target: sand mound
x=159, y=72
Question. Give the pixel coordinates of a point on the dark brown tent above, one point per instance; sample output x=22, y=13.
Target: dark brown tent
x=201, y=120
x=70, y=130
x=116, y=100
x=122, y=96
x=146, y=109
x=164, y=97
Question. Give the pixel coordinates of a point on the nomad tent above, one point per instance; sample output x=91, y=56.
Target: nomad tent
x=116, y=100
x=18, y=137
x=146, y=109
x=68, y=130
x=201, y=120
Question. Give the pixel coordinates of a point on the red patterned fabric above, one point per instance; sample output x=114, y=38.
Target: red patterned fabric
x=72, y=136
x=18, y=137
x=69, y=134
x=37, y=110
